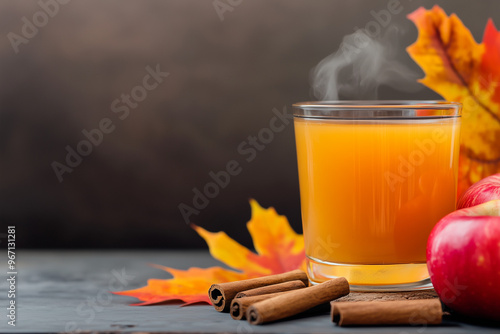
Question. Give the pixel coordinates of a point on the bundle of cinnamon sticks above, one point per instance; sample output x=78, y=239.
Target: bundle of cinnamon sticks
x=275, y=297
x=271, y=298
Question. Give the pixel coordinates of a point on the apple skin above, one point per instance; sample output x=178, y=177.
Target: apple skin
x=486, y=190
x=463, y=259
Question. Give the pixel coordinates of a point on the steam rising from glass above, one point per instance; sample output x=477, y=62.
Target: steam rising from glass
x=360, y=65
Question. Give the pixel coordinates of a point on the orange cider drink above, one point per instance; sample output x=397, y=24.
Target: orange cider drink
x=375, y=177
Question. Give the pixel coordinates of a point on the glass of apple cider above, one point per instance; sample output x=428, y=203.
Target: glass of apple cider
x=375, y=177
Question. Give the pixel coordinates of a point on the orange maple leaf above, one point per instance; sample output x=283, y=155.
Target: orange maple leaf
x=459, y=69
x=278, y=249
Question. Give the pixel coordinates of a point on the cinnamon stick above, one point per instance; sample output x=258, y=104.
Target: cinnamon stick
x=297, y=301
x=401, y=312
x=222, y=294
x=240, y=305
x=273, y=288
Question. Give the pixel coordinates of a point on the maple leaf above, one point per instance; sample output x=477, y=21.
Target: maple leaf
x=460, y=69
x=278, y=249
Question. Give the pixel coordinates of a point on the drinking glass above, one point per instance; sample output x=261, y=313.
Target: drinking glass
x=375, y=177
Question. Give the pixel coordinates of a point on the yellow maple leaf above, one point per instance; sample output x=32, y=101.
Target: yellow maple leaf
x=278, y=249
x=460, y=69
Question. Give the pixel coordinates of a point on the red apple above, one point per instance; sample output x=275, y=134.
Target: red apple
x=480, y=192
x=463, y=258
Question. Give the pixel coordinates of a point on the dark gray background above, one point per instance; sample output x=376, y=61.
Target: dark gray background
x=225, y=79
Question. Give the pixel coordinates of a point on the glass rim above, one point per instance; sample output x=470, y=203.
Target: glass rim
x=377, y=109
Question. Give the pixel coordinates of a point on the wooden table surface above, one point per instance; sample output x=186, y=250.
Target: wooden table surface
x=67, y=291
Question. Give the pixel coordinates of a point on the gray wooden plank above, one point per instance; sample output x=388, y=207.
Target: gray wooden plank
x=61, y=291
